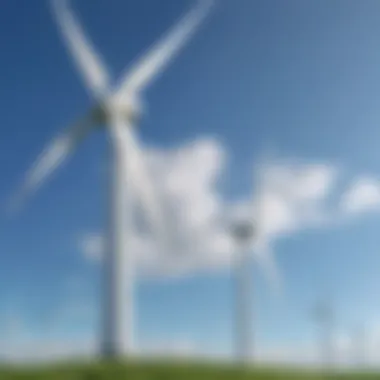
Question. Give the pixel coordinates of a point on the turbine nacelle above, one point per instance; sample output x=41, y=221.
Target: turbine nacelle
x=243, y=232
x=130, y=111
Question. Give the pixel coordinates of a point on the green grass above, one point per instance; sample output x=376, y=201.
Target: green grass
x=165, y=371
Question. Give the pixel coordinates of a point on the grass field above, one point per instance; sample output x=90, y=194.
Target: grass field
x=161, y=371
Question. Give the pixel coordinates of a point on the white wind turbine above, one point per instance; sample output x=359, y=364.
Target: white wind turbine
x=324, y=316
x=360, y=346
x=117, y=109
x=249, y=233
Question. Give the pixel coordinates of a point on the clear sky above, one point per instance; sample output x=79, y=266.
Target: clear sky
x=300, y=76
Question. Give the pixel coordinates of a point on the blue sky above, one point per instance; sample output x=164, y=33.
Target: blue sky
x=301, y=76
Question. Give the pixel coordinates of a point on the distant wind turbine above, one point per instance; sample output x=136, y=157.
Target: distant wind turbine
x=248, y=233
x=323, y=314
x=118, y=109
x=360, y=346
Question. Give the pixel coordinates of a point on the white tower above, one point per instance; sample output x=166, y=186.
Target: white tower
x=324, y=316
x=118, y=297
x=243, y=234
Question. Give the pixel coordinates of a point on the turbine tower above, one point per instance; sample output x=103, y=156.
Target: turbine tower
x=117, y=110
x=324, y=316
x=243, y=232
x=360, y=346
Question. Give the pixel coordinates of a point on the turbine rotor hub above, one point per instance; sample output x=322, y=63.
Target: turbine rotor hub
x=243, y=231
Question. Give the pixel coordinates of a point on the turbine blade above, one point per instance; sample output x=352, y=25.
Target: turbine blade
x=138, y=172
x=83, y=53
x=50, y=159
x=154, y=61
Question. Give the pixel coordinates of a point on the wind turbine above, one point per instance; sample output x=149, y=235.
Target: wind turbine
x=324, y=315
x=360, y=346
x=248, y=233
x=117, y=109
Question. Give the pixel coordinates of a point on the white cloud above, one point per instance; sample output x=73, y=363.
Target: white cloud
x=363, y=195
x=294, y=196
x=291, y=196
x=186, y=178
x=186, y=182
